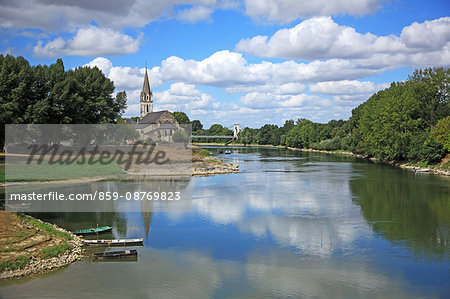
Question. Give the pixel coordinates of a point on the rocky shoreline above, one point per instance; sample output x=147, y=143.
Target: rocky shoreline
x=204, y=168
x=39, y=265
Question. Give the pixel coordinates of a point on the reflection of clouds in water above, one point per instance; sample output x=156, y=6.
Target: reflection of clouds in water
x=283, y=274
x=185, y=274
x=176, y=273
x=309, y=234
x=291, y=207
x=221, y=211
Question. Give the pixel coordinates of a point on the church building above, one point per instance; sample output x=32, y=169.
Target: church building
x=154, y=126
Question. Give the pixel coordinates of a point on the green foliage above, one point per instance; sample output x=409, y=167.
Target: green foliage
x=423, y=146
x=268, y=134
x=196, y=125
x=203, y=153
x=55, y=250
x=18, y=263
x=48, y=228
x=432, y=91
x=180, y=136
x=247, y=136
x=387, y=122
x=441, y=132
x=181, y=118
x=49, y=94
x=306, y=133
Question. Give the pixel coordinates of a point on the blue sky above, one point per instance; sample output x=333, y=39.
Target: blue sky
x=250, y=62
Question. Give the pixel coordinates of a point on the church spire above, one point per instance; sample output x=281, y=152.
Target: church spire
x=146, y=96
x=146, y=88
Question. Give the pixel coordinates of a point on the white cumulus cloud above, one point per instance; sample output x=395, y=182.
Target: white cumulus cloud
x=346, y=87
x=195, y=14
x=322, y=38
x=89, y=41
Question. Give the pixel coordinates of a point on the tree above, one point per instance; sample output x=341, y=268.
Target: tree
x=215, y=129
x=42, y=94
x=441, y=132
x=181, y=118
x=431, y=87
x=196, y=125
x=268, y=134
x=388, y=121
x=247, y=136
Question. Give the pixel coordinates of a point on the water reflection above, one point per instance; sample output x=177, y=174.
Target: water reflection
x=407, y=209
x=293, y=208
x=288, y=225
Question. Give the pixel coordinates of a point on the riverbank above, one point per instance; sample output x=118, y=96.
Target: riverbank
x=405, y=165
x=435, y=169
x=30, y=246
x=203, y=163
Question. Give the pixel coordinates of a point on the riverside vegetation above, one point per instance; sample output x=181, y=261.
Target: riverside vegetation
x=407, y=122
x=30, y=246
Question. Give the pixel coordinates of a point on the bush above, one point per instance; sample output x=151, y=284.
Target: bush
x=180, y=136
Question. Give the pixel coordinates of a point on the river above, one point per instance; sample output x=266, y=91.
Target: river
x=288, y=225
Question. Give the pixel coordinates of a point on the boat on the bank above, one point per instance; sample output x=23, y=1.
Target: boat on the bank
x=220, y=151
x=422, y=170
x=94, y=230
x=115, y=243
x=116, y=254
x=227, y=152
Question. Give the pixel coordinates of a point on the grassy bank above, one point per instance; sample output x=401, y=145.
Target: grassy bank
x=46, y=172
x=26, y=242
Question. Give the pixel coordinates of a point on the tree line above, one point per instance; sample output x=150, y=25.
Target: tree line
x=51, y=95
x=407, y=121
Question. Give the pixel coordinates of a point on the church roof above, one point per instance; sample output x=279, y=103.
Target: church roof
x=146, y=88
x=153, y=117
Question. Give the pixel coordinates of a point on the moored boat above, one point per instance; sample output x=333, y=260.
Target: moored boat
x=116, y=254
x=114, y=243
x=92, y=230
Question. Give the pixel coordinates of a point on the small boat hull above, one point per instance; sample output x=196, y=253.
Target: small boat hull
x=114, y=243
x=116, y=254
x=92, y=230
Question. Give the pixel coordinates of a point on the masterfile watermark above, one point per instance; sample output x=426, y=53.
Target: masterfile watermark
x=105, y=157
x=101, y=162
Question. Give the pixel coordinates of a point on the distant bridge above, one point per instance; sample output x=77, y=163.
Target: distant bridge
x=212, y=136
x=236, y=130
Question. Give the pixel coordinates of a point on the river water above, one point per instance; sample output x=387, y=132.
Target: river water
x=289, y=225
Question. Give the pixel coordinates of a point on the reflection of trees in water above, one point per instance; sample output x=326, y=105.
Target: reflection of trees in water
x=407, y=208
x=79, y=220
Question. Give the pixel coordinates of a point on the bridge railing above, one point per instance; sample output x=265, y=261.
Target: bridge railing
x=212, y=136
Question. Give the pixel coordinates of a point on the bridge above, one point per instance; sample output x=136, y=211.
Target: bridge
x=236, y=130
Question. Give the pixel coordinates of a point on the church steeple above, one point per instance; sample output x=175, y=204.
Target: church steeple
x=146, y=97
